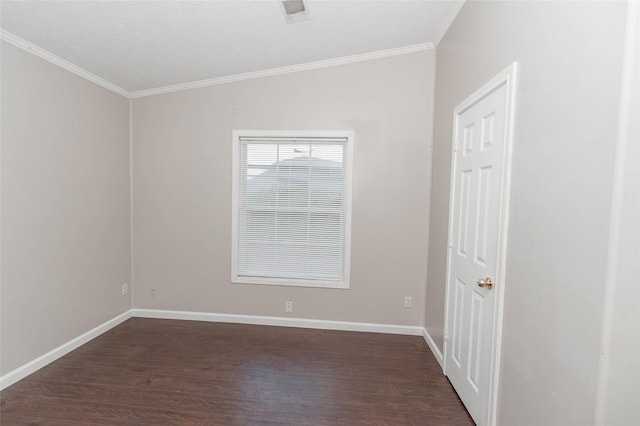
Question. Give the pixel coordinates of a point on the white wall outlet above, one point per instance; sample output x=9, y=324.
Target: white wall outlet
x=125, y=289
x=288, y=306
x=407, y=301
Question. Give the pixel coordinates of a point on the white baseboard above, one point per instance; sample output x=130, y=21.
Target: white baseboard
x=279, y=321
x=33, y=366
x=434, y=348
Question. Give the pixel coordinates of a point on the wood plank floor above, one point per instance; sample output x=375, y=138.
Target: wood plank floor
x=166, y=372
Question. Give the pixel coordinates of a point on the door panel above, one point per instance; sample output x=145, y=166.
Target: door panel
x=478, y=164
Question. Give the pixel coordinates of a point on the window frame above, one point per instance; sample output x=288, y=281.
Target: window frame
x=348, y=179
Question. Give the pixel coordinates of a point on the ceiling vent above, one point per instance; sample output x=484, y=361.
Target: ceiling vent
x=294, y=11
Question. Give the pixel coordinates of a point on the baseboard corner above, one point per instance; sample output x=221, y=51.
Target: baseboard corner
x=434, y=348
x=36, y=364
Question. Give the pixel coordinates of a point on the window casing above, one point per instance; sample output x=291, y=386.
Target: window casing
x=292, y=208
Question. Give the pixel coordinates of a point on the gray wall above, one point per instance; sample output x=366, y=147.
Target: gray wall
x=619, y=391
x=65, y=199
x=182, y=188
x=565, y=131
x=65, y=206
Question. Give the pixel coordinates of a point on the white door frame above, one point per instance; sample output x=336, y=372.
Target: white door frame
x=505, y=78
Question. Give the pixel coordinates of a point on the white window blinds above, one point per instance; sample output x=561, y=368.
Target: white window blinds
x=291, y=209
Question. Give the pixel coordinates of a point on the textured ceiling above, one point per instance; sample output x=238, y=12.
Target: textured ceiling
x=141, y=45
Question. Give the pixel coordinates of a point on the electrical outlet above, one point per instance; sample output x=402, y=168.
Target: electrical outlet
x=125, y=289
x=407, y=301
x=153, y=293
x=288, y=306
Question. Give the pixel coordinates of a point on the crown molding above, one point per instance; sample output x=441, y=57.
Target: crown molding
x=62, y=63
x=284, y=70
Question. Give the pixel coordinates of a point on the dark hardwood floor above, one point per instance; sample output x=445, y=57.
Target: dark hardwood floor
x=166, y=372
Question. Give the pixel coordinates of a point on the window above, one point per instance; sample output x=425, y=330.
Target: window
x=292, y=208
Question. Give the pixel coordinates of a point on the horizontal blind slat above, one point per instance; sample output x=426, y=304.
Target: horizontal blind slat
x=291, y=208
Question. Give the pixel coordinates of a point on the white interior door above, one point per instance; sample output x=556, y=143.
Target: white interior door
x=477, y=226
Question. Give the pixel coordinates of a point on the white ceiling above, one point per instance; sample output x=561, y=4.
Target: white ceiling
x=142, y=45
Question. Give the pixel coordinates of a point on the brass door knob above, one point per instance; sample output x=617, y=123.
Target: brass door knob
x=485, y=283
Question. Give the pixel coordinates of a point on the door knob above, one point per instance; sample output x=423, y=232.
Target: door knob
x=486, y=283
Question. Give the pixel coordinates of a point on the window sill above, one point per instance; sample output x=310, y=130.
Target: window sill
x=287, y=282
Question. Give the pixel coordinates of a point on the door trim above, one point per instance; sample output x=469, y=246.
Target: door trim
x=505, y=78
